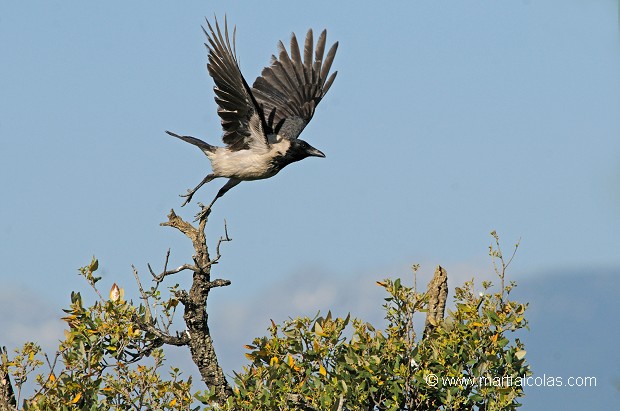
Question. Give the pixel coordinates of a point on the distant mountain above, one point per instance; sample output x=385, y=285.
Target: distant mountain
x=574, y=332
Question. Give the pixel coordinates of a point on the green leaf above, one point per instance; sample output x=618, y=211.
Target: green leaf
x=94, y=265
x=491, y=315
x=319, y=330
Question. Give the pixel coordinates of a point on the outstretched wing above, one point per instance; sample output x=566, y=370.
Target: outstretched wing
x=290, y=89
x=242, y=118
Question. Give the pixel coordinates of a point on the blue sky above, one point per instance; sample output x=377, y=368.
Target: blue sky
x=447, y=120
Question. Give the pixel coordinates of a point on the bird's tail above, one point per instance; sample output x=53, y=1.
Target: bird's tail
x=206, y=147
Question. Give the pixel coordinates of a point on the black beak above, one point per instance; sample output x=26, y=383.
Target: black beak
x=315, y=153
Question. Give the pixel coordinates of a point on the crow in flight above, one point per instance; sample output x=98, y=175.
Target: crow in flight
x=262, y=123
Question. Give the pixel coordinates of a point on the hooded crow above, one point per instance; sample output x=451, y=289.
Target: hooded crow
x=262, y=124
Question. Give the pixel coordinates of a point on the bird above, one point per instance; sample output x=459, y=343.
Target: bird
x=261, y=124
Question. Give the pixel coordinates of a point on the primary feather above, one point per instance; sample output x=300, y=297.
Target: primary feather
x=294, y=87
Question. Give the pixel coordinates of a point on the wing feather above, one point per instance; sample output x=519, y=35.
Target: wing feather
x=288, y=69
x=296, y=59
x=327, y=65
x=291, y=87
x=308, y=57
x=237, y=107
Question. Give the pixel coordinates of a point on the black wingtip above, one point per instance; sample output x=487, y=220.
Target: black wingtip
x=170, y=133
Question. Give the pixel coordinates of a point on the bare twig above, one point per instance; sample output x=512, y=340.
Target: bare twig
x=158, y=278
x=163, y=336
x=497, y=254
x=513, y=254
x=340, y=403
x=226, y=238
x=143, y=295
x=51, y=365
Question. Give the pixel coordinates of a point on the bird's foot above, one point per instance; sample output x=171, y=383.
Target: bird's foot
x=188, y=196
x=204, y=212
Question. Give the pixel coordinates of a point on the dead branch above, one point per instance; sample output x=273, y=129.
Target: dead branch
x=196, y=235
x=143, y=295
x=165, y=338
x=197, y=336
x=218, y=283
x=226, y=238
x=437, y=292
x=158, y=278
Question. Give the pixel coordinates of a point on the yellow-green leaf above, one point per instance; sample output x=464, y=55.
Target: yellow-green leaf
x=76, y=398
x=319, y=330
x=94, y=265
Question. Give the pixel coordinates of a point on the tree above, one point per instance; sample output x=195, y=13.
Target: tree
x=112, y=357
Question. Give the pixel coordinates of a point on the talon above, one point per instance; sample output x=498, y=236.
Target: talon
x=188, y=198
x=204, y=213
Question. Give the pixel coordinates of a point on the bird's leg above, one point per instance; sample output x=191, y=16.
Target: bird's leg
x=204, y=213
x=190, y=193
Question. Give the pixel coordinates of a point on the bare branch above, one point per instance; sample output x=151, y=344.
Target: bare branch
x=218, y=283
x=496, y=254
x=177, y=222
x=513, y=254
x=143, y=295
x=194, y=301
x=437, y=292
x=340, y=403
x=51, y=365
x=158, y=278
x=226, y=238
x=186, y=228
x=162, y=336
x=165, y=338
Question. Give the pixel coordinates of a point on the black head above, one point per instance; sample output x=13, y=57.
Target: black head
x=300, y=149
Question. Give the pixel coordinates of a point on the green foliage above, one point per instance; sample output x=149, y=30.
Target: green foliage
x=466, y=362
x=94, y=368
x=109, y=360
